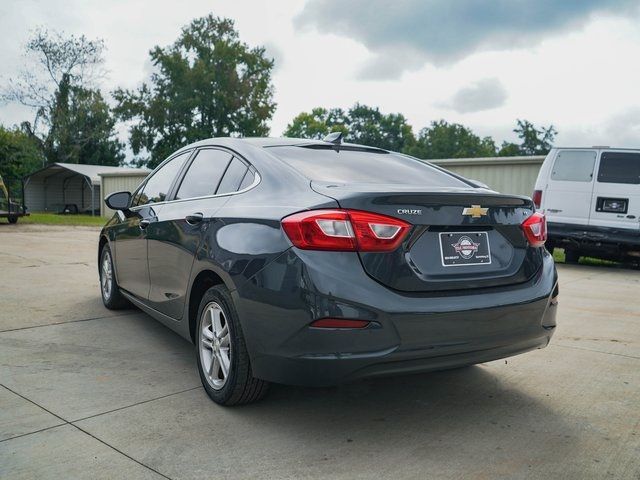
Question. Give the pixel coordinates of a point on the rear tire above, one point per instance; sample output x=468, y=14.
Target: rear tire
x=221, y=353
x=111, y=295
x=13, y=220
x=571, y=256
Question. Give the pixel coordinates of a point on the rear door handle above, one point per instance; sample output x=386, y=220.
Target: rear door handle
x=194, y=218
x=144, y=223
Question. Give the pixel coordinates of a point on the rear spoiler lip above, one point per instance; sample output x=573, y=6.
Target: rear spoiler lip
x=432, y=196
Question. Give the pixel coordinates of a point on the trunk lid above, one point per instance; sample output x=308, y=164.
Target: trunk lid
x=445, y=249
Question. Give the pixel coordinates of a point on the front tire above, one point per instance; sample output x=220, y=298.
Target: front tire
x=111, y=296
x=13, y=220
x=222, y=357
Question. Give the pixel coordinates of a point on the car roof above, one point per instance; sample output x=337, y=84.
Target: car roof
x=266, y=142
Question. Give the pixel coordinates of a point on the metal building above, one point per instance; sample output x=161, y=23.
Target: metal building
x=70, y=186
x=514, y=175
x=126, y=181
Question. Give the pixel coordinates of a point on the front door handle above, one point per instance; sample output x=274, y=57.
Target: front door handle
x=194, y=218
x=144, y=223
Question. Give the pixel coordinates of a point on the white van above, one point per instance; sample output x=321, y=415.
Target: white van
x=591, y=198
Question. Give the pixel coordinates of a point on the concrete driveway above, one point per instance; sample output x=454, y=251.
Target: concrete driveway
x=89, y=393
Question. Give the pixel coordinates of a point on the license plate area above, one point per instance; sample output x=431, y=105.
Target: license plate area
x=464, y=248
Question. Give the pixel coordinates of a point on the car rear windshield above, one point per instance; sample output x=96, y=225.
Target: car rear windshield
x=363, y=166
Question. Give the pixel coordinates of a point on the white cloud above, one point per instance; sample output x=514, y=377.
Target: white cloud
x=582, y=78
x=445, y=31
x=484, y=94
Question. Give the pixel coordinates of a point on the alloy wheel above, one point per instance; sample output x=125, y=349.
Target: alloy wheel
x=215, y=346
x=106, y=279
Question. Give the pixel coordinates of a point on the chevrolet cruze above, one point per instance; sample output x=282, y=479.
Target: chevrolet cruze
x=319, y=262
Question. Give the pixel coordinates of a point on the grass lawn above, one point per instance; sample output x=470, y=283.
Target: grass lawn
x=558, y=256
x=56, y=219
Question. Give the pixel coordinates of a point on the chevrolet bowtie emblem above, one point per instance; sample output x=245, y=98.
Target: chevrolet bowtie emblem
x=476, y=211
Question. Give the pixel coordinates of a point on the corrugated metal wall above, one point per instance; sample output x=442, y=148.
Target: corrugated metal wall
x=117, y=183
x=53, y=193
x=516, y=175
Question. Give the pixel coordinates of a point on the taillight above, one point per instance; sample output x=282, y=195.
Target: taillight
x=537, y=198
x=535, y=229
x=345, y=230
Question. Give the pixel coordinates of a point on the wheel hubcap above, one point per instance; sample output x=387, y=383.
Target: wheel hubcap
x=215, y=346
x=106, y=278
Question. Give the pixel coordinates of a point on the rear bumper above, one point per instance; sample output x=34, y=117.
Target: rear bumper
x=593, y=238
x=408, y=333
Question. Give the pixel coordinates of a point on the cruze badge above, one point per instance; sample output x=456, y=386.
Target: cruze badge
x=465, y=247
x=476, y=211
x=409, y=211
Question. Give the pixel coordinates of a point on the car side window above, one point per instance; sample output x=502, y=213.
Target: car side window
x=248, y=179
x=204, y=174
x=157, y=186
x=574, y=166
x=233, y=176
x=619, y=167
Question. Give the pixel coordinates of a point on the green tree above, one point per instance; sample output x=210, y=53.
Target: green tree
x=317, y=123
x=19, y=155
x=208, y=83
x=82, y=129
x=509, y=149
x=72, y=122
x=533, y=141
x=369, y=126
x=360, y=124
x=451, y=140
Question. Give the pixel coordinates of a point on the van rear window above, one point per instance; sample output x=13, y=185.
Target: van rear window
x=574, y=166
x=619, y=167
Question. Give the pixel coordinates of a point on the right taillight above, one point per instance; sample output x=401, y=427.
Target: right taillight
x=537, y=198
x=345, y=230
x=535, y=229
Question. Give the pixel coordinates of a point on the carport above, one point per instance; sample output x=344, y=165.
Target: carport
x=61, y=185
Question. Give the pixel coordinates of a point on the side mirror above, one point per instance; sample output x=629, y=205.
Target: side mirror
x=118, y=201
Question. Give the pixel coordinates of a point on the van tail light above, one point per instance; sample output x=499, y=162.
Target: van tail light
x=535, y=229
x=537, y=198
x=345, y=231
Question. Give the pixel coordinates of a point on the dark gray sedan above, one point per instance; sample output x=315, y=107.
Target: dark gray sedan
x=318, y=262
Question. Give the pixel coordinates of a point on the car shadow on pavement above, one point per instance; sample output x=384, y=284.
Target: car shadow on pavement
x=466, y=405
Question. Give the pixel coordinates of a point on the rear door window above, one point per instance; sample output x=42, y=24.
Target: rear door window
x=574, y=166
x=233, y=176
x=619, y=167
x=204, y=174
x=248, y=180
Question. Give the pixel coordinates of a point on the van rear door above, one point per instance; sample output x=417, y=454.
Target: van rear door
x=569, y=189
x=616, y=196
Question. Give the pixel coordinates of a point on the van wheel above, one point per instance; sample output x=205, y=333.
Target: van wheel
x=571, y=256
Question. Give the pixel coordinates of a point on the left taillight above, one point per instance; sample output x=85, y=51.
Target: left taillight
x=535, y=229
x=345, y=230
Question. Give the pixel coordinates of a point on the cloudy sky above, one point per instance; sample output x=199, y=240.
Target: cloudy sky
x=483, y=63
